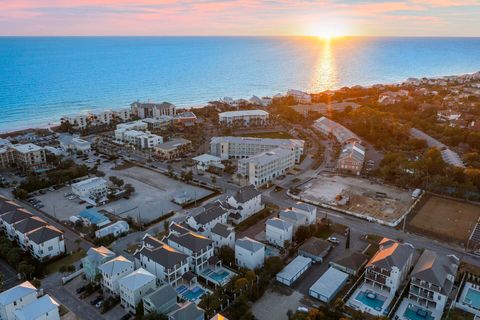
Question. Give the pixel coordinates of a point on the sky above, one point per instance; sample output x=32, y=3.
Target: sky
x=240, y=17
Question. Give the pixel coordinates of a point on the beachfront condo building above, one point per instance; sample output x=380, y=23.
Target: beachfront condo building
x=243, y=118
x=28, y=157
x=229, y=147
x=153, y=110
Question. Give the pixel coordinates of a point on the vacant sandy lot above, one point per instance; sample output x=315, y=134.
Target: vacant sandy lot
x=372, y=199
x=324, y=108
x=446, y=219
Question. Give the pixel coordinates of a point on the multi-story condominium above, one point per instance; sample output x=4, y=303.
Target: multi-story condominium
x=134, y=286
x=162, y=260
x=223, y=235
x=244, y=147
x=204, y=218
x=103, y=117
x=69, y=142
x=264, y=167
x=13, y=215
x=351, y=158
x=92, y=190
x=243, y=118
x=185, y=119
x=94, y=259
x=249, y=253
x=173, y=149
x=21, y=228
x=161, y=301
x=205, y=161
x=122, y=115
x=6, y=156
x=246, y=202
x=341, y=134
x=45, y=242
x=159, y=123
x=141, y=140
x=299, y=96
x=153, y=110
x=16, y=298
x=278, y=231
x=389, y=266
x=78, y=121
x=114, y=270
x=196, y=246
x=29, y=157
x=43, y=308
x=432, y=279
x=133, y=125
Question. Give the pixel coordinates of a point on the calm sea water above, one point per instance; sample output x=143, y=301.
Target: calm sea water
x=42, y=79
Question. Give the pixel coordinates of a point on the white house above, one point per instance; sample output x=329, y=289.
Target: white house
x=308, y=210
x=13, y=215
x=278, y=231
x=204, y=218
x=94, y=259
x=45, y=242
x=25, y=226
x=223, y=235
x=199, y=248
x=205, y=161
x=243, y=117
x=69, y=142
x=301, y=214
x=246, y=202
x=16, y=298
x=249, y=253
x=44, y=308
x=92, y=190
x=134, y=286
x=115, y=229
x=162, y=260
x=114, y=270
x=299, y=96
x=389, y=266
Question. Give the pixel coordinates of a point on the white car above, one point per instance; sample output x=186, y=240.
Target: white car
x=333, y=240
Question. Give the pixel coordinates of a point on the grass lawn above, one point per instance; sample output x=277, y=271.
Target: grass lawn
x=273, y=135
x=65, y=261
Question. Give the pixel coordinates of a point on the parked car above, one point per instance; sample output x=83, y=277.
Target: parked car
x=126, y=317
x=81, y=289
x=333, y=240
x=96, y=300
x=99, y=304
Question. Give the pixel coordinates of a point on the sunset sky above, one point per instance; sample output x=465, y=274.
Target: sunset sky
x=241, y=17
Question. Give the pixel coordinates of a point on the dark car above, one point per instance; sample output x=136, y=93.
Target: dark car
x=126, y=317
x=96, y=300
x=81, y=289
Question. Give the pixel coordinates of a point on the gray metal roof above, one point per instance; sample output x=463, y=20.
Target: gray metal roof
x=190, y=240
x=44, y=233
x=279, y=224
x=249, y=244
x=434, y=269
x=29, y=224
x=246, y=193
x=391, y=254
x=164, y=255
x=162, y=295
x=222, y=230
x=187, y=311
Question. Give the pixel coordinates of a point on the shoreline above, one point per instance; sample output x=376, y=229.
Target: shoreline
x=51, y=125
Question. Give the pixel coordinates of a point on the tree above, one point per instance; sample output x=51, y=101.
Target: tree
x=139, y=312
x=241, y=285
x=78, y=241
x=21, y=194
x=227, y=255
x=129, y=189
x=117, y=181
x=26, y=269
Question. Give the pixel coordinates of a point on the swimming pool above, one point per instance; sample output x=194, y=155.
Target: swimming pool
x=271, y=252
x=371, y=299
x=472, y=298
x=416, y=313
x=218, y=276
x=192, y=294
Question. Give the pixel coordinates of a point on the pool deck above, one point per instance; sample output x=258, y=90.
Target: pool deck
x=358, y=305
x=191, y=287
x=224, y=281
x=399, y=315
x=461, y=301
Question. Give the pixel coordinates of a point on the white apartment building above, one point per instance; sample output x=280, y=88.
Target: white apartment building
x=91, y=190
x=16, y=298
x=432, y=280
x=159, y=123
x=243, y=118
x=153, y=110
x=246, y=202
x=44, y=308
x=162, y=260
x=264, y=167
x=299, y=96
x=45, y=242
x=341, y=134
x=139, y=139
x=199, y=248
x=134, y=286
x=132, y=125
x=205, y=161
x=114, y=270
x=243, y=147
x=278, y=231
x=69, y=142
x=122, y=115
x=389, y=266
x=77, y=121
x=249, y=253
x=223, y=235
x=103, y=117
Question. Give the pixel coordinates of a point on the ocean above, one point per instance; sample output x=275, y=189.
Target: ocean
x=43, y=78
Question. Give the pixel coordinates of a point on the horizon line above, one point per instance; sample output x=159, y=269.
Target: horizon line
x=237, y=36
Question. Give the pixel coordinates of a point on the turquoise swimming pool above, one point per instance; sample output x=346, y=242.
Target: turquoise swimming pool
x=218, y=276
x=192, y=294
x=371, y=299
x=416, y=313
x=472, y=298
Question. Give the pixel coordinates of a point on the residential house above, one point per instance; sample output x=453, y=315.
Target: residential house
x=134, y=286
x=278, y=231
x=161, y=301
x=299, y=96
x=351, y=158
x=112, y=271
x=45, y=242
x=351, y=263
x=43, y=308
x=16, y=298
x=315, y=248
x=389, y=266
x=188, y=311
x=199, y=248
x=21, y=228
x=246, y=202
x=14, y=215
x=115, y=229
x=204, y=218
x=223, y=235
x=249, y=253
x=206, y=161
x=94, y=259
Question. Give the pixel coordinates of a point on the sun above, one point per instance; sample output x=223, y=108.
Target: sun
x=326, y=34
x=327, y=31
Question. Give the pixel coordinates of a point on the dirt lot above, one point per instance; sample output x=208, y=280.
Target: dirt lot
x=324, y=108
x=445, y=219
x=365, y=197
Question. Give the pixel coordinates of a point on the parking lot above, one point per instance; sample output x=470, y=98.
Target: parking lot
x=152, y=199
